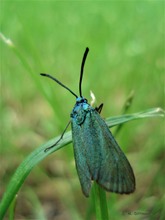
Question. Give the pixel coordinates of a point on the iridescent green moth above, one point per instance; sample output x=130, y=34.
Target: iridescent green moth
x=98, y=156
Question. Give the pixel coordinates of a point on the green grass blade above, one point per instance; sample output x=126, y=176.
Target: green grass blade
x=24, y=169
x=12, y=208
x=100, y=202
x=127, y=105
x=29, y=70
x=96, y=200
x=117, y=120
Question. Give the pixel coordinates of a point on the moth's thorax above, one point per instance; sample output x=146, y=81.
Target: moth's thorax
x=80, y=110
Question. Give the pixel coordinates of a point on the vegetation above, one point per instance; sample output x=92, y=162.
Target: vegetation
x=126, y=57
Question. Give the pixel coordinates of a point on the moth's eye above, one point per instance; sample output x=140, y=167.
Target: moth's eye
x=85, y=100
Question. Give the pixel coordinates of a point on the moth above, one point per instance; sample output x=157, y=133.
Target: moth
x=98, y=156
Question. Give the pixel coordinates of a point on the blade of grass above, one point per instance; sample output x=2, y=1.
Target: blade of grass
x=153, y=112
x=30, y=71
x=96, y=202
x=126, y=107
x=100, y=202
x=24, y=169
x=12, y=208
x=35, y=202
x=38, y=154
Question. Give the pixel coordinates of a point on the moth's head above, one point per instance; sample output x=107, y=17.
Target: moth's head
x=81, y=100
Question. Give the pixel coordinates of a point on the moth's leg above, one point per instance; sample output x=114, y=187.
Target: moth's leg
x=48, y=148
x=99, y=109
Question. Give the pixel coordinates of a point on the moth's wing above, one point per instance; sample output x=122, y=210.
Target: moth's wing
x=80, y=158
x=107, y=163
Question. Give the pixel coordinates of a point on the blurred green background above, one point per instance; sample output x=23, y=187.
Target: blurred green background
x=126, y=45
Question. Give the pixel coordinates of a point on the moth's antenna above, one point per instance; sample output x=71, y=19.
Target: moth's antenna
x=51, y=77
x=82, y=68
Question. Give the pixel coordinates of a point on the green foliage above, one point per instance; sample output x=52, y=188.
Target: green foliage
x=126, y=54
x=39, y=154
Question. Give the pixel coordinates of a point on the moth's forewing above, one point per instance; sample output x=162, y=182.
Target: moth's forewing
x=80, y=158
x=115, y=173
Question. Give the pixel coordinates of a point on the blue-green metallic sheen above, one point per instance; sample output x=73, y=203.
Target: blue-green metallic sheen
x=98, y=157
